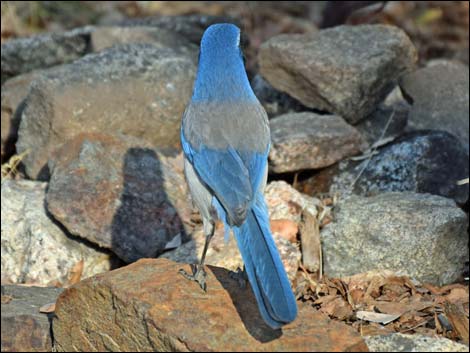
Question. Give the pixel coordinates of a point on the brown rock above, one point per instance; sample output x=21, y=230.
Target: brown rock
x=147, y=306
x=118, y=192
x=24, y=328
x=310, y=141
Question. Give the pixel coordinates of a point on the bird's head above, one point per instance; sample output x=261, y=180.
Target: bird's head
x=221, y=71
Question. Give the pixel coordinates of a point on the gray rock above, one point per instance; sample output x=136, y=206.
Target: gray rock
x=372, y=127
x=440, y=98
x=14, y=92
x=420, y=235
x=346, y=70
x=311, y=141
x=119, y=193
x=424, y=162
x=190, y=27
x=398, y=342
x=138, y=90
x=274, y=102
x=35, y=249
x=42, y=51
x=108, y=36
x=24, y=328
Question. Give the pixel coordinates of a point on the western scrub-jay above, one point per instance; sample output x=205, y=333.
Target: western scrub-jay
x=225, y=137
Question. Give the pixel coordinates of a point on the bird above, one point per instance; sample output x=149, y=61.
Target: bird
x=225, y=138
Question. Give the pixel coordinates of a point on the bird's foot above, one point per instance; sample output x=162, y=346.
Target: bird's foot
x=239, y=276
x=198, y=275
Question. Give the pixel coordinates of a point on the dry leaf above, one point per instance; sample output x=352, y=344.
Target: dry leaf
x=310, y=241
x=458, y=319
x=376, y=317
x=48, y=308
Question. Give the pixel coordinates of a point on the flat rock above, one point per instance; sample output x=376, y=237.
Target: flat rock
x=440, y=98
x=346, y=70
x=24, y=328
x=118, y=192
x=124, y=311
x=35, y=249
x=41, y=51
x=423, y=161
x=142, y=89
x=399, y=342
x=310, y=141
x=420, y=235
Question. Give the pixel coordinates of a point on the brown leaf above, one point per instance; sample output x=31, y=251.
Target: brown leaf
x=458, y=319
x=310, y=240
x=75, y=273
x=338, y=308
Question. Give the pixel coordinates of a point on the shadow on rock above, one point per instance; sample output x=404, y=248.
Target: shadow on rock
x=146, y=222
x=245, y=302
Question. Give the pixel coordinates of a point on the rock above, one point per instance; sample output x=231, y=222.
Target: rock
x=142, y=89
x=147, y=306
x=346, y=70
x=13, y=93
x=310, y=141
x=34, y=248
x=284, y=203
x=107, y=36
x=118, y=192
x=372, y=127
x=420, y=235
x=190, y=27
x=398, y=342
x=227, y=255
x=423, y=161
x=42, y=51
x=24, y=328
x=274, y=102
x=440, y=98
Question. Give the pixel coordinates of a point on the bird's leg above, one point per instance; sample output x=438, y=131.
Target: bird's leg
x=198, y=272
x=240, y=276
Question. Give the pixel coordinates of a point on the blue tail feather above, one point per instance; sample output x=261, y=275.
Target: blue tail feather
x=264, y=267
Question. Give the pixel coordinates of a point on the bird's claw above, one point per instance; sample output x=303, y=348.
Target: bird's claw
x=198, y=275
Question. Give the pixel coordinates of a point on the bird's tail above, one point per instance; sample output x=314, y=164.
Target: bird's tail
x=264, y=267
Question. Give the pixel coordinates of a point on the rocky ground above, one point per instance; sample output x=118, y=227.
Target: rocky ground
x=367, y=194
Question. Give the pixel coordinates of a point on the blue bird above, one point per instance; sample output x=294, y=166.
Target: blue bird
x=225, y=138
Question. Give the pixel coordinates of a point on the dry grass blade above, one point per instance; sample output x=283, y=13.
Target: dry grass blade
x=76, y=273
x=310, y=240
x=462, y=182
x=10, y=169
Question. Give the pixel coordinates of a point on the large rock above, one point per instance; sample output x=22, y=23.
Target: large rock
x=24, y=328
x=139, y=90
x=35, y=248
x=398, y=342
x=440, y=97
x=148, y=306
x=191, y=27
x=119, y=193
x=425, y=162
x=420, y=235
x=107, y=36
x=346, y=70
x=42, y=51
x=310, y=141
